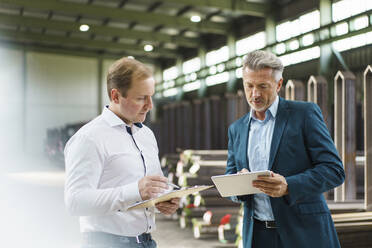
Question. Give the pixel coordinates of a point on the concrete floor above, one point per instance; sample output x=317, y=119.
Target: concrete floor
x=32, y=213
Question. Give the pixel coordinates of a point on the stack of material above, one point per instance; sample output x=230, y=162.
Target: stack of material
x=229, y=232
x=207, y=211
x=56, y=139
x=354, y=229
x=215, y=220
x=169, y=164
x=239, y=228
x=189, y=158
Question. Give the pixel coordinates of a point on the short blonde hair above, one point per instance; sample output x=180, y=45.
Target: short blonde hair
x=122, y=72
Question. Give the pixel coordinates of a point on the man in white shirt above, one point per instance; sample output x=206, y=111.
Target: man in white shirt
x=112, y=162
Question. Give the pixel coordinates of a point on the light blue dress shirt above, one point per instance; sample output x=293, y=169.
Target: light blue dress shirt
x=259, y=143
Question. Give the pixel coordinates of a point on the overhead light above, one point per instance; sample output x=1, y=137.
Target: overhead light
x=148, y=48
x=195, y=18
x=84, y=27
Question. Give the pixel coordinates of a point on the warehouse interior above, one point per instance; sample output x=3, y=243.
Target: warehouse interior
x=55, y=55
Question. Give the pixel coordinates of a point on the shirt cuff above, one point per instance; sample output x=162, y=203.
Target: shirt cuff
x=131, y=194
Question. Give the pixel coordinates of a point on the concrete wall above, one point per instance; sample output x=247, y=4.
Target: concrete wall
x=59, y=90
x=11, y=101
x=40, y=91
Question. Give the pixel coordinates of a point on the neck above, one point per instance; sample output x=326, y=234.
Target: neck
x=113, y=108
x=260, y=115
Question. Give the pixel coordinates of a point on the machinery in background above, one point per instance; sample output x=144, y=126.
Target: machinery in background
x=56, y=139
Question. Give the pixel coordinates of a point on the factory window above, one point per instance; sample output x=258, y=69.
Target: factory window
x=217, y=79
x=191, y=65
x=217, y=56
x=170, y=92
x=308, y=39
x=346, y=8
x=251, y=43
x=191, y=86
x=353, y=42
x=239, y=72
x=170, y=73
x=284, y=31
x=342, y=28
x=303, y=24
x=301, y=56
x=361, y=22
x=309, y=21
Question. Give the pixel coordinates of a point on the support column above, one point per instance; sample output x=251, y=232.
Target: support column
x=158, y=75
x=196, y=115
x=325, y=7
x=203, y=87
x=99, y=85
x=242, y=105
x=368, y=138
x=231, y=43
x=345, y=108
x=317, y=90
x=270, y=30
x=180, y=72
x=24, y=107
x=295, y=90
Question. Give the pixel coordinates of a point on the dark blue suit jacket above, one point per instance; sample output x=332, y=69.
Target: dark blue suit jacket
x=303, y=152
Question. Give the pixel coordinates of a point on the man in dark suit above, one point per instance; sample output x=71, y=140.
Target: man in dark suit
x=291, y=140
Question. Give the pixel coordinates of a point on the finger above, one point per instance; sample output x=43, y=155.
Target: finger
x=244, y=170
x=272, y=180
x=266, y=186
x=158, y=178
x=165, y=209
x=157, y=184
x=265, y=183
x=175, y=200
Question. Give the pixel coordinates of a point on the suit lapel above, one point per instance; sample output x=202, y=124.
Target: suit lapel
x=244, y=137
x=280, y=123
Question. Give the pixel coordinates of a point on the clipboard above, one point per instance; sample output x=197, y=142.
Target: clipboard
x=178, y=193
x=238, y=184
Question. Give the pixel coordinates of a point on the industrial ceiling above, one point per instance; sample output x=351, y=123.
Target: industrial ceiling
x=124, y=27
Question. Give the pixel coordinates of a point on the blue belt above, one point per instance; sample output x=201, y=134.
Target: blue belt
x=109, y=238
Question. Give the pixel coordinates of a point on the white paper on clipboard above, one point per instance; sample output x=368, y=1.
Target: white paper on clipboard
x=172, y=194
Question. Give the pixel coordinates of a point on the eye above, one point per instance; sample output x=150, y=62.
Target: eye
x=141, y=98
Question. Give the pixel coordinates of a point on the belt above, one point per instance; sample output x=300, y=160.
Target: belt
x=267, y=224
x=109, y=238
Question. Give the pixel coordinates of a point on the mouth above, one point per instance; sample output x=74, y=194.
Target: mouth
x=256, y=101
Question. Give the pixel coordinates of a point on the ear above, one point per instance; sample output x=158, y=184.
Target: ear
x=115, y=94
x=280, y=83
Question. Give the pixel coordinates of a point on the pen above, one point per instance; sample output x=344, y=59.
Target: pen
x=173, y=185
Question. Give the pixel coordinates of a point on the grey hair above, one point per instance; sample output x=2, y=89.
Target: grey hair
x=258, y=60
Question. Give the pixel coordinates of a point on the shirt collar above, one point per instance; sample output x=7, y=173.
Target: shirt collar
x=114, y=120
x=273, y=109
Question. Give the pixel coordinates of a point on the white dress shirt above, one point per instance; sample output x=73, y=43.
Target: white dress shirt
x=103, y=167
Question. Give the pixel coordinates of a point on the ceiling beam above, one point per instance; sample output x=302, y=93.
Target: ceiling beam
x=103, y=12
x=71, y=52
x=237, y=6
x=34, y=22
x=9, y=35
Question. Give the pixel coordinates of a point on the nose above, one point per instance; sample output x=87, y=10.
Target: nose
x=149, y=104
x=256, y=92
